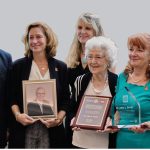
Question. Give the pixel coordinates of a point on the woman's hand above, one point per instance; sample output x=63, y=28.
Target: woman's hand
x=137, y=129
x=24, y=119
x=51, y=122
x=108, y=127
x=142, y=128
x=74, y=128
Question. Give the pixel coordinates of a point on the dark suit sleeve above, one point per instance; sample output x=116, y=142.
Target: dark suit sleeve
x=4, y=97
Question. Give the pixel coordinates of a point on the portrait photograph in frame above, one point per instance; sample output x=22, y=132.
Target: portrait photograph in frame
x=39, y=98
x=92, y=112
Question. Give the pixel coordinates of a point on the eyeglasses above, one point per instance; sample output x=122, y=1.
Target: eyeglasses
x=97, y=58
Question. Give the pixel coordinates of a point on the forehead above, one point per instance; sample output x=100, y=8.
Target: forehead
x=36, y=30
x=81, y=22
x=40, y=90
x=96, y=51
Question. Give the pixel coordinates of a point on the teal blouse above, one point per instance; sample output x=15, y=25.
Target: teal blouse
x=133, y=104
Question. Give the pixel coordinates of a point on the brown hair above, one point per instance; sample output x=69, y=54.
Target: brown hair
x=141, y=40
x=51, y=39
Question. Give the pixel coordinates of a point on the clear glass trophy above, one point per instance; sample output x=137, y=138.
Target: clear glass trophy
x=129, y=111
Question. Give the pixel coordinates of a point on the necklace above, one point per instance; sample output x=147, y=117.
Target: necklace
x=99, y=91
x=134, y=81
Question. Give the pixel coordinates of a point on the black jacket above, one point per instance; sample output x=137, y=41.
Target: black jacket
x=21, y=71
x=77, y=96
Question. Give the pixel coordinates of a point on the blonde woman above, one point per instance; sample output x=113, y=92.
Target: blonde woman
x=38, y=64
x=88, y=25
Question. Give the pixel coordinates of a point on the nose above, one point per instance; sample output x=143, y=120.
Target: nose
x=83, y=31
x=134, y=52
x=33, y=40
x=93, y=60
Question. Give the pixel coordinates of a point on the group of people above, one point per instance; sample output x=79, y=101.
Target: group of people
x=89, y=70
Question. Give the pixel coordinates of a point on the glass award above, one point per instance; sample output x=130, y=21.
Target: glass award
x=128, y=112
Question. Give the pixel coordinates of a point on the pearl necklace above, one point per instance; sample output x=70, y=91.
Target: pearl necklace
x=99, y=91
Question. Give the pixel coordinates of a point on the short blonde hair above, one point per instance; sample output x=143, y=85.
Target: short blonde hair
x=51, y=39
x=73, y=58
x=106, y=46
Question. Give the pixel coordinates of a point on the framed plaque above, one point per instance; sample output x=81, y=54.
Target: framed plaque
x=39, y=98
x=92, y=112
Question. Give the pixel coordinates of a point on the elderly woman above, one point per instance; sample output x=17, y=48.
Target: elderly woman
x=133, y=91
x=100, y=53
x=88, y=25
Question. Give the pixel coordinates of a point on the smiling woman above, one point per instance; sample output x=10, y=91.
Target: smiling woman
x=101, y=54
x=38, y=64
x=134, y=86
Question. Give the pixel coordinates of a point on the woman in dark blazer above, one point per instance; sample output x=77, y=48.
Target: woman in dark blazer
x=101, y=55
x=38, y=64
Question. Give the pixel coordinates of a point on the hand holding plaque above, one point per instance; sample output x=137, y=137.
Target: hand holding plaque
x=92, y=112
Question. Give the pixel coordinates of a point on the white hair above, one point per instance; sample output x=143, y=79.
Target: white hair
x=104, y=44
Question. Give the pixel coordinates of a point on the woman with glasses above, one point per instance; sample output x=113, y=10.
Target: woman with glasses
x=88, y=25
x=100, y=53
x=132, y=100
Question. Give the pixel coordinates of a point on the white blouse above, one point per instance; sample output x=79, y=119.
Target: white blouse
x=91, y=138
x=35, y=73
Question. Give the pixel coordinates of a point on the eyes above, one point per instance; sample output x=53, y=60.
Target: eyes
x=85, y=28
x=37, y=37
x=97, y=58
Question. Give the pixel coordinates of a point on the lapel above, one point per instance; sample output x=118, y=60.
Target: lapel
x=27, y=68
x=52, y=68
x=84, y=83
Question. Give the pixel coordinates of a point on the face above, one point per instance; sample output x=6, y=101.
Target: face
x=138, y=57
x=37, y=40
x=40, y=94
x=84, y=32
x=96, y=61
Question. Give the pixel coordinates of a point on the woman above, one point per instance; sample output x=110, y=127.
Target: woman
x=133, y=91
x=38, y=64
x=88, y=25
x=100, y=53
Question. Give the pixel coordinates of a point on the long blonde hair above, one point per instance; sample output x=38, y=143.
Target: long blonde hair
x=73, y=58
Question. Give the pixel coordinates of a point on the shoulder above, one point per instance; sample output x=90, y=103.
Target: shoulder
x=112, y=75
x=22, y=61
x=58, y=63
x=5, y=55
x=84, y=78
x=122, y=76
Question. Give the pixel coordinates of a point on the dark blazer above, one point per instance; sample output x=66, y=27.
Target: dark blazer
x=5, y=66
x=75, y=101
x=34, y=109
x=73, y=73
x=21, y=71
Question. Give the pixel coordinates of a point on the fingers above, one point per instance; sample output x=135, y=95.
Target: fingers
x=49, y=122
x=137, y=129
x=76, y=129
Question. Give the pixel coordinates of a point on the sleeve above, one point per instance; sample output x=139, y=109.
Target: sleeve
x=4, y=110
x=64, y=94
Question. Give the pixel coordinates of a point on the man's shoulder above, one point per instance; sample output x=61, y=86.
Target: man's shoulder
x=4, y=54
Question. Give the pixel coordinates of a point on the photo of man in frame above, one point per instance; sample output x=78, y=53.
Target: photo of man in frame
x=39, y=106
